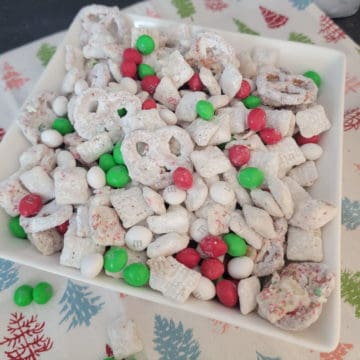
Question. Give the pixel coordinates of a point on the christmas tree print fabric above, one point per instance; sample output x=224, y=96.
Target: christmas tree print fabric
x=73, y=324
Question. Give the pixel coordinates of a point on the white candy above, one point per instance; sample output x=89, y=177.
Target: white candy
x=91, y=265
x=96, y=177
x=199, y=229
x=173, y=195
x=138, y=238
x=64, y=158
x=59, y=105
x=312, y=151
x=205, y=289
x=222, y=193
x=80, y=86
x=167, y=244
x=128, y=84
x=168, y=116
x=51, y=138
x=240, y=267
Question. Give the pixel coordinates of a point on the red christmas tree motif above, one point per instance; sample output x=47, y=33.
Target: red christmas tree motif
x=357, y=166
x=26, y=340
x=222, y=327
x=331, y=32
x=12, y=79
x=152, y=13
x=2, y=133
x=216, y=5
x=273, y=19
x=122, y=295
x=108, y=350
x=352, y=83
x=352, y=119
x=338, y=354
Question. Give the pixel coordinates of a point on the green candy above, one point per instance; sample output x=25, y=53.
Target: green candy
x=42, y=293
x=252, y=101
x=16, y=229
x=311, y=74
x=250, y=178
x=23, y=295
x=205, y=109
x=136, y=274
x=236, y=244
x=118, y=176
x=63, y=126
x=122, y=112
x=106, y=162
x=117, y=155
x=145, y=44
x=145, y=70
x=115, y=259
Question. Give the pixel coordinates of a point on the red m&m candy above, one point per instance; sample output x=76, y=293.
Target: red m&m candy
x=213, y=246
x=62, y=228
x=182, y=178
x=149, y=83
x=212, y=268
x=149, y=104
x=244, y=91
x=131, y=54
x=128, y=68
x=301, y=140
x=239, y=155
x=195, y=83
x=256, y=119
x=188, y=257
x=270, y=136
x=226, y=292
x=30, y=205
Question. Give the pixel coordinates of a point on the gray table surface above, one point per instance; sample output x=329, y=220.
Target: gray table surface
x=22, y=21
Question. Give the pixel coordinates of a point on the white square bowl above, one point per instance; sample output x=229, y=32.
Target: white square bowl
x=330, y=64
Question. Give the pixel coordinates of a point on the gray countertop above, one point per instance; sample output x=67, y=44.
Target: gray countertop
x=23, y=21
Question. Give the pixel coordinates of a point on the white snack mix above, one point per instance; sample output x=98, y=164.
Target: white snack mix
x=171, y=195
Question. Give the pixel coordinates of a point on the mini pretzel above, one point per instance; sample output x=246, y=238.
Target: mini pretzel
x=278, y=88
x=36, y=116
x=50, y=216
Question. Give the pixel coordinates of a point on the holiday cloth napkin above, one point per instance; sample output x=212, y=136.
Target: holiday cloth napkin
x=74, y=323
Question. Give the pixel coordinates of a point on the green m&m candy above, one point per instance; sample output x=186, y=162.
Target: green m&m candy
x=23, y=295
x=314, y=76
x=145, y=44
x=115, y=259
x=250, y=177
x=236, y=244
x=145, y=70
x=42, y=293
x=63, y=126
x=252, y=101
x=136, y=274
x=205, y=109
x=106, y=162
x=16, y=229
x=117, y=155
x=118, y=176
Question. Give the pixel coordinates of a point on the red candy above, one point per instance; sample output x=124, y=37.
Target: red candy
x=149, y=104
x=256, y=119
x=30, y=205
x=131, y=54
x=188, y=257
x=212, y=268
x=301, y=140
x=213, y=246
x=226, y=292
x=182, y=178
x=239, y=155
x=149, y=83
x=270, y=136
x=195, y=83
x=244, y=91
x=63, y=227
x=128, y=68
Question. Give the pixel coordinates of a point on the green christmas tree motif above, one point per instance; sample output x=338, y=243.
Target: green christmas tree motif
x=243, y=28
x=185, y=8
x=350, y=289
x=299, y=37
x=45, y=53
